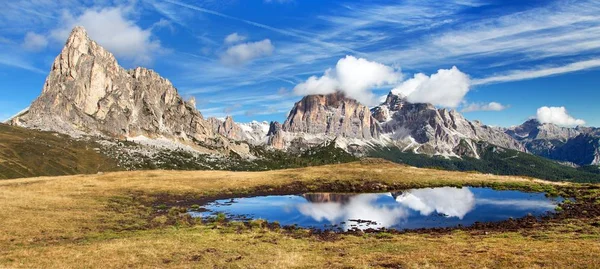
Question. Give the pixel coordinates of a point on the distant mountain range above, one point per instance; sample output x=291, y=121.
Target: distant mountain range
x=88, y=94
x=579, y=146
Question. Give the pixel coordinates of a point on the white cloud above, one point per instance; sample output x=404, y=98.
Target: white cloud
x=318, y=85
x=243, y=53
x=356, y=77
x=558, y=116
x=34, y=42
x=492, y=106
x=234, y=38
x=445, y=88
x=111, y=28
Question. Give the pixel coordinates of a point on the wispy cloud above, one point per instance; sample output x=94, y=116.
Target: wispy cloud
x=516, y=75
x=560, y=29
x=310, y=39
x=14, y=61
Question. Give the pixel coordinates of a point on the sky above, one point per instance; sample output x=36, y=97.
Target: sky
x=500, y=62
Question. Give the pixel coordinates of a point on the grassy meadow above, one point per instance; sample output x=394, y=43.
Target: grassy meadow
x=137, y=219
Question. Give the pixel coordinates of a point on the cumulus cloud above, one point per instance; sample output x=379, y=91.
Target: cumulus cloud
x=34, y=42
x=112, y=29
x=355, y=77
x=445, y=88
x=325, y=84
x=558, y=116
x=492, y=106
x=243, y=53
x=234, y=38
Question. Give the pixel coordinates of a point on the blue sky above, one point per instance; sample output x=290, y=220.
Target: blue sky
x=252, y=58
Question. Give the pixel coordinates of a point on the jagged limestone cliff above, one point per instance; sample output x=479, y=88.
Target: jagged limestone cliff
x=579, y=145
x=88, y=93
x=424, y=128
x=319, y=118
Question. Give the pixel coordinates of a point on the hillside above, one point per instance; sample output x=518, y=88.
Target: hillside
x=29, y=153
x=494, y=160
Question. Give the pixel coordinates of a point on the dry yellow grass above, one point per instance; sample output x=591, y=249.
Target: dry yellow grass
x=74, y=222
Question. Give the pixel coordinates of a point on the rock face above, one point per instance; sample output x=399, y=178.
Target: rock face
x=317, y=118
x=420, y=128
x=87, y=92
x=253, y=132
x=579, y=145
x=227, y=128
x=423, y=128
x=332, y=114
x=533, y=130
x=275, y=136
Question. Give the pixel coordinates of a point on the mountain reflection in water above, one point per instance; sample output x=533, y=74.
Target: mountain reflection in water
x=416, y=208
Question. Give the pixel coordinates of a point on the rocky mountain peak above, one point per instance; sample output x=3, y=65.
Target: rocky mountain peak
x=275, y=135
x=423, y=128
x=394, y=101
x=79, y=45
x=88, y=92
x=527, y=129
x=533, y=129
x=227, y=128
x=333, y=114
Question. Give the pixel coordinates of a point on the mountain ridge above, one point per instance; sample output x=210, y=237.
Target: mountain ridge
x=579, y=145
x=87, y=93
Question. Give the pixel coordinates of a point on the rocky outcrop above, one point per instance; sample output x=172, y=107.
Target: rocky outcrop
x=253, y=132
x=533, y=129
x=319, y=118
x=88, y=92
x=227, y=128
x=275, y=136
x=332, y=114
x=577, y=145
x=423, y=128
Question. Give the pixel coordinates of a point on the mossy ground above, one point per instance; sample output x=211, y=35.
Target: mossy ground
x=125, y=219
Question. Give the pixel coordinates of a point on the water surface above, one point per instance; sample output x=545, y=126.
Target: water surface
x=411, y=209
